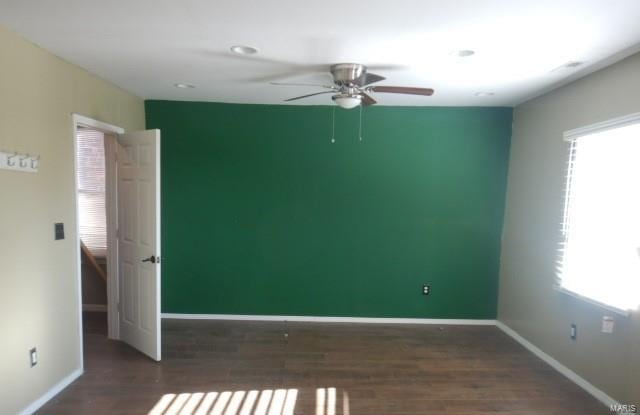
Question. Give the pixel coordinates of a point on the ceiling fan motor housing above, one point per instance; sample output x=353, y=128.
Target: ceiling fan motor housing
x=346, y=74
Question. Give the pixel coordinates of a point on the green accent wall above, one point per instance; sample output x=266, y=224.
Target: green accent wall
x=262, y=214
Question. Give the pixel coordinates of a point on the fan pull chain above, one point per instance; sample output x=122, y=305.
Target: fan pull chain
x=360, y=130
x=333, y=124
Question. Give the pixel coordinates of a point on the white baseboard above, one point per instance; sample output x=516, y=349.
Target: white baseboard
x=570, y=374
x=314, y=319
x=56, y=389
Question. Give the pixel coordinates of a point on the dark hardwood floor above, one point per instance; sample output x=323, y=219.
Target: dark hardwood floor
x=319, y=369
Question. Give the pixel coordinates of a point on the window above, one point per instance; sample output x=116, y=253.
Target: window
x=600, y=256
x=91, y=191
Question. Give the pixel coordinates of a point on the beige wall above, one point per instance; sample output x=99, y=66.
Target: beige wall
x=534, y=209
x=38, y=297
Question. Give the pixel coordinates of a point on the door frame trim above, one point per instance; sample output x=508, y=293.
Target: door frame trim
x=112, y=220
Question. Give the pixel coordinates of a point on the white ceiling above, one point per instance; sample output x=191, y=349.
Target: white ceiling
x=145, y=46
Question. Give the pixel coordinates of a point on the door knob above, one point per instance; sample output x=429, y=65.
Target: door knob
x=153, y=259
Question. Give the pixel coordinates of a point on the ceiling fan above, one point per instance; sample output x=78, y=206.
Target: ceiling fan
x=352, y=85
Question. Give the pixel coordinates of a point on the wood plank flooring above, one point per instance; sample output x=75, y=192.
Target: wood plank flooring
x=320, y=369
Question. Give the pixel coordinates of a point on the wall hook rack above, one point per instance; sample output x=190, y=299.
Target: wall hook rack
x=19, y=162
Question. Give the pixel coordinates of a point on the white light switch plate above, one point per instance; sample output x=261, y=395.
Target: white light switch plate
x=607, y=324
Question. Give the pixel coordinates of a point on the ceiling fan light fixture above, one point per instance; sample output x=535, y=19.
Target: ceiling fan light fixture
x=184, y=86
x=243, y=50
x=347, y=101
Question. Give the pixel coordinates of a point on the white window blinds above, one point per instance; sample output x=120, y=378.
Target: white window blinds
x=91, y=191
x=601, y=253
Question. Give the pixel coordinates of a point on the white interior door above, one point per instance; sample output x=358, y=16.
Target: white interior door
x=139, y=240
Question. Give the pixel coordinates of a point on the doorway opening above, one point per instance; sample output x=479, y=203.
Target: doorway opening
x=117, y=234
x=92, y=223
x=95, y=162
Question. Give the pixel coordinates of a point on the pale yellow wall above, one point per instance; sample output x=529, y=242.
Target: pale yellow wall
x=535, y=199
x=38, y=297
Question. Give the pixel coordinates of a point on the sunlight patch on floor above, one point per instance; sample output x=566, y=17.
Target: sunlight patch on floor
x=253, y=402
x=326, y=401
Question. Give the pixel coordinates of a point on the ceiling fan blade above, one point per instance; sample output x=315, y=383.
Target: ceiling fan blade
x=287, y=69
x=401, y=90
x=293, y=72
x=385, y=67
x=273, y=77
x=369, y=78
x=367, y=99
x=227, y=55
x=309, y=95
x=303, y=84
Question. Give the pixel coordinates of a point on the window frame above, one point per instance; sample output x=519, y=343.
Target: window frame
x=570, y=136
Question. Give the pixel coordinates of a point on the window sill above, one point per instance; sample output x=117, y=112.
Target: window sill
x=620, y=312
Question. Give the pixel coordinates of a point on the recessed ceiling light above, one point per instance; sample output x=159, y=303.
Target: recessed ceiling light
x=464, y=53
x=243, y=50
x=484, y=94
x=184, y=86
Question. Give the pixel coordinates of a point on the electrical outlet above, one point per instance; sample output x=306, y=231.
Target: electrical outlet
x=426, y=289
x=33, y=357
x=573, y=333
